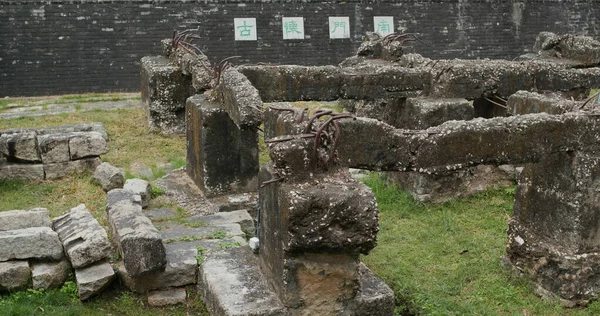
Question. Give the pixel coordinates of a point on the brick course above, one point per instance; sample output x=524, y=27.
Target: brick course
x=69, y=46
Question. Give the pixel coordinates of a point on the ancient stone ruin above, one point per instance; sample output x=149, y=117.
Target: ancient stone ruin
x=36, y=154
x=434, y=123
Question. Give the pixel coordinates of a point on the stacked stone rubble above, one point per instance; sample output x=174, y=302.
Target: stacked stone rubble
x=31, y=253
x=50, y=153
x=87, y=247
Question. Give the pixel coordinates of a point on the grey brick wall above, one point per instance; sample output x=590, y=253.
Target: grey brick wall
x=69, y=46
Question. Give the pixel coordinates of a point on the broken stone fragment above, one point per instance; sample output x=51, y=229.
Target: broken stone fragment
x=110, y=177
x=141, y=188
x=93, y=279
x=34, y=243
x=136, y=237
x=19, y=219
x=20, y=146
x=26, y=172
x=14, y=275
x=48, y=275
x=87, y=144
x=83, y=239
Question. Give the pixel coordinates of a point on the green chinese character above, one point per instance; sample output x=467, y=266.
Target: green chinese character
x=341, y=25
x=291, y=27
x=383, y=27
x=245, y=29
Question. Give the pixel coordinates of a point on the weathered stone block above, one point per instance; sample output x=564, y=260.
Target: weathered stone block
x=294, y=83
x=241, y=100
x=20, y=147
x=232, y=285
x=164, y=91
x=63, y=169
x=87, y=144
x=14, y=275
x=584, y=49
x=240, y=217
x=525, y=102
x=141, y=188
x=375, y=298
x=109, y=176
x=383, y=81
x=83, y=239
x=54, y=148
x=48, y=275
x=221, y=156
x=138, y=240
x=35, y=243
x=93, y=279
x=22, y=171
x=177, y=233
x=180, y=269
x=19, y=219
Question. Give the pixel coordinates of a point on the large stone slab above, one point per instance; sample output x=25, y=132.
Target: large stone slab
x=232, y=285
x=48, y=275
x=34, y=243
x=93, y=279
x=19, y=219
x=83, y=239
x=138, y=241
x=14, y=275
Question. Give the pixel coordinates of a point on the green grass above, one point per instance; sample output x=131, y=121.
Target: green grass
x=64, y=99
x=64, y=301
x=444, y=259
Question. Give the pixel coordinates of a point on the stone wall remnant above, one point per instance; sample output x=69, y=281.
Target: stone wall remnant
x=49, y=153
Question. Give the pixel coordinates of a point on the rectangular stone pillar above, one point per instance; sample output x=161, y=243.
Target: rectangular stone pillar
x=221, y=157
x=311, y=236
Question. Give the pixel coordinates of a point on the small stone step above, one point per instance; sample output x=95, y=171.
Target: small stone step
x=232, y=285
x=167, y=297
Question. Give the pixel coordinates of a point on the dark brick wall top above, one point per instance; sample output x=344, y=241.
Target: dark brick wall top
x=52, y=47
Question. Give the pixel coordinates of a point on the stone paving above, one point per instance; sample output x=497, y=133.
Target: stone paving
x=53, y=105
